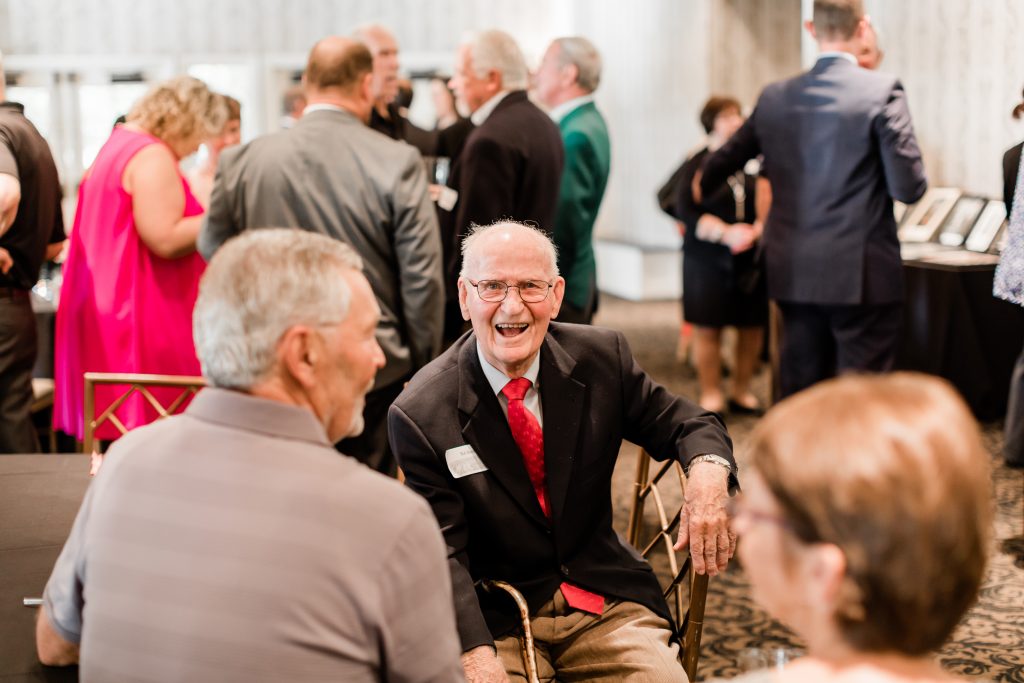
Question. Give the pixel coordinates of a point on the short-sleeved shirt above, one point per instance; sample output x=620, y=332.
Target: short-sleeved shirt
x=25, y=155
x=233, y=543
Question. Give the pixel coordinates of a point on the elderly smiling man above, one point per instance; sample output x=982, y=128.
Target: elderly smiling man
x=233, y=543
x=512, y=436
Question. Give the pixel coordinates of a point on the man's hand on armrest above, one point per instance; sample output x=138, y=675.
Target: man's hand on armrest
x=52, y=649
x=482, y=665
x=704, y=523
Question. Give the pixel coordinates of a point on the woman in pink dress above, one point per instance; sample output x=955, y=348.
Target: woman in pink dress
x=132, y=271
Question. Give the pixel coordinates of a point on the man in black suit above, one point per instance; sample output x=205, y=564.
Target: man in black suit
x=838, y=146
x=511, y=165
x=512, y=436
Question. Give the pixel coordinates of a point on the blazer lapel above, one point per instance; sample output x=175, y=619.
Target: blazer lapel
x=562, y=402
x=486, y=429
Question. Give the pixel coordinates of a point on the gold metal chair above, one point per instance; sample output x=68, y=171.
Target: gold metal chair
x=526, y=645
x=689, y=620
x=142, y=384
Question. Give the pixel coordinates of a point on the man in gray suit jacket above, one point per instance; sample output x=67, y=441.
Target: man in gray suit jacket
x=838, y=146
x=332, y=174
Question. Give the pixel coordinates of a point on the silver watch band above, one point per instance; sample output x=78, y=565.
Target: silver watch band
x=709, y=457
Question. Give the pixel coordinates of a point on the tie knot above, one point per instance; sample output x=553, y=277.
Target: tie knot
x=516, y=389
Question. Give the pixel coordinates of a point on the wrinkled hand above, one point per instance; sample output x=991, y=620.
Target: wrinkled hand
x=704, y=523
x=6, y=262
x=740, y=237
x=481, y=665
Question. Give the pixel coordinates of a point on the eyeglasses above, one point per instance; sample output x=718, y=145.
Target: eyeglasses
x=737, y=511
x=530, y=291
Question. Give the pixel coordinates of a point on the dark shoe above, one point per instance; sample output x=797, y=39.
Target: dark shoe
x=737, y=408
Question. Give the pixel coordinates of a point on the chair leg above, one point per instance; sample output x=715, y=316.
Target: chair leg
x=694, y=624
x=636, y=511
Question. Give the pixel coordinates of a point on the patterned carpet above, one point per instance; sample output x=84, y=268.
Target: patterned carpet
x=988, y=644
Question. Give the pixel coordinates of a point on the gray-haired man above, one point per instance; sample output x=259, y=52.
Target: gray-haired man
x=233, y=542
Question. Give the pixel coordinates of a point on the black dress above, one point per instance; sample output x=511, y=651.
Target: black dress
x=719, y=288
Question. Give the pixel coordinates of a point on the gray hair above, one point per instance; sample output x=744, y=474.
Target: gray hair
x=363, y=31
x=581, y=53
x=499, y=51
x=469, y=243
x=257, y=286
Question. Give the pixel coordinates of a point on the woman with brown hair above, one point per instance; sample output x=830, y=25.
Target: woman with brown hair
x=132, y=273
x=722, y=283
x=864, y=525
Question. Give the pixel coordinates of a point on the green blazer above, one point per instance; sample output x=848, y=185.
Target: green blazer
x=584, y=177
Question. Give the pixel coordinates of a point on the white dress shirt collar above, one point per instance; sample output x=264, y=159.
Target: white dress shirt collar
x=838, y=53
x=480, y=115
x=565, y=108
x=323, y=106
x=498, y=379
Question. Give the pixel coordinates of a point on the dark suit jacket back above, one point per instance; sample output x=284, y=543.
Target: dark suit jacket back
x=593, y=395
x=510, y=167
x=332, y=174
x=838, y=146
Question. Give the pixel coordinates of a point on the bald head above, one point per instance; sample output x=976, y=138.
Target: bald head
x=337, y=64
x=509, y=237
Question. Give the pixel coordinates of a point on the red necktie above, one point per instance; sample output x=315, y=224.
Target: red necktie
x=529, y=437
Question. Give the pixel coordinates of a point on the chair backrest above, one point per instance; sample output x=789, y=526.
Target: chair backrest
x=141, y=384
x=687, y=592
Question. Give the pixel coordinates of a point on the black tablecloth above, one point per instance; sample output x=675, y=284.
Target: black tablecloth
x=39, y=497
x=953, y=327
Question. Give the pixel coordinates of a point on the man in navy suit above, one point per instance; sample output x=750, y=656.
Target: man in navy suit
x=512, y=436
x=838, y=147
x=511, y=165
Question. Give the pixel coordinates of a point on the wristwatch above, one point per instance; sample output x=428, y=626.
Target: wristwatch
x=708, y=457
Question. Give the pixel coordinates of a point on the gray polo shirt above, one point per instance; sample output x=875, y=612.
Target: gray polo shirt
x=232, y=543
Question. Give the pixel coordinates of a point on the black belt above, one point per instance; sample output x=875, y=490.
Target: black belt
x=13, y=293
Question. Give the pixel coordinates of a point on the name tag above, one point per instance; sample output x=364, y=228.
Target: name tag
x=463, y=461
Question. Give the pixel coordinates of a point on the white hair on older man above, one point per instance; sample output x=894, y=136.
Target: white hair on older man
x=257, y=286
x=497, y=50
x=525, y=230
x=581, y=53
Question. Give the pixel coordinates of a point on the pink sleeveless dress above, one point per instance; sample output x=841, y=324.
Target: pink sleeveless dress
x=122, y=307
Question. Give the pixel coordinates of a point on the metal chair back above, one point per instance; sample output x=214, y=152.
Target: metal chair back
x=141, y=384
x=688, y=613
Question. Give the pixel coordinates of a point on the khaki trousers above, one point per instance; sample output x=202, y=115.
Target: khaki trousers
x=628, y=642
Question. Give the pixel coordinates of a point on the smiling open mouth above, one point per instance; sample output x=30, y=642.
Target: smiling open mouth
x=511, y=329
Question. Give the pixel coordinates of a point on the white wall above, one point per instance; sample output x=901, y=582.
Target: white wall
x=961, y=62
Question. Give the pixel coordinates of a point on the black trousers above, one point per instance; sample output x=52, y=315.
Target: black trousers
x=371, y=447
x=17, y=357
x=1013, y=448
x=819, y=342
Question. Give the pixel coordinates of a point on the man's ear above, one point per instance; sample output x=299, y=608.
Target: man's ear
x=299, y=352
x=557, y=293
x=809, y=27
x=463, y=293
x=570, y=75
x=495, y=81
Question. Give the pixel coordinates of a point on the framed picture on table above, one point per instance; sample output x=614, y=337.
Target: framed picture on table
x=983, y=234
x=1000, y=241
x=924, y=219
x=899, y=211
x=960, y=221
